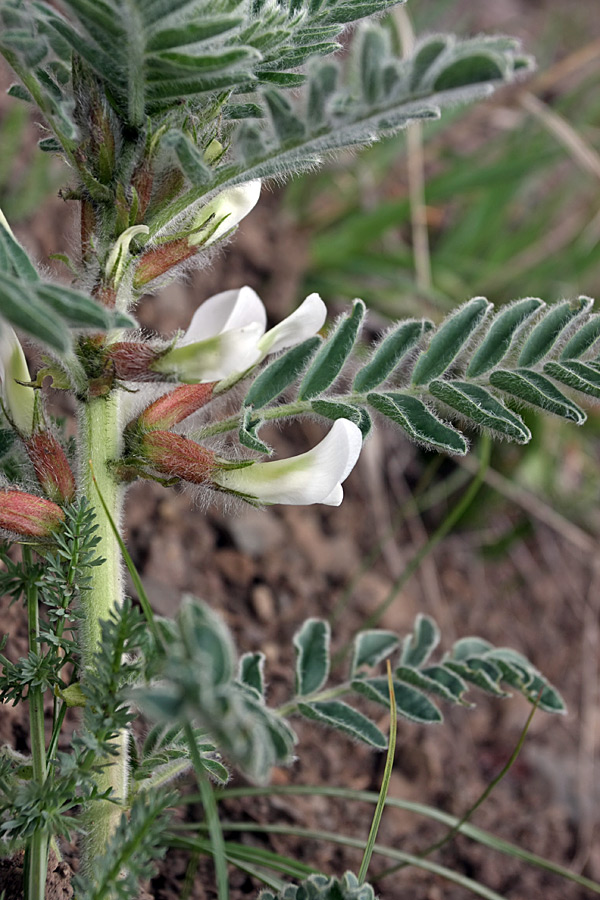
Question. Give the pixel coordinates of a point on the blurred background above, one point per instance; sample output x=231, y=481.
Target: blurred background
x=500, y=200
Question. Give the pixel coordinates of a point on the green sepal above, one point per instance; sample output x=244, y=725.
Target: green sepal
x=537, y=390
x=311, y=644
x=449, y=340
x=501, y=334
x=418, y=421
x=479, y=406
x=547, y=332
x=343, y=717
x=281, y=373
x=389, y=353
x=330, y=360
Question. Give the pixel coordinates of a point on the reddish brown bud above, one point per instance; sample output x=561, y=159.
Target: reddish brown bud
x=143, y=179
x=178, y=456
x=28, y=515
x=88, y=227
x=132, y=361
x=105, y=293
x=159, y=260
x=51, y=466
x=175, y=406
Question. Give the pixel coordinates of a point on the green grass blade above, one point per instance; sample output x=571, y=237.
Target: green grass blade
x=385, y=784
x=420, y=809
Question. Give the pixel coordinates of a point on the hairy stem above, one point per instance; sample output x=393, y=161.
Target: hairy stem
x=100, y=439
x=37, y=851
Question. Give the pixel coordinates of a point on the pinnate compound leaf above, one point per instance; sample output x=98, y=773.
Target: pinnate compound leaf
x=537, y=390
x=323, y=887
x=575, y=375
x=418, y=421
x=281, y=373
x=418, y=646
x=345, y=718
x=449, y=340
x=330, y=360
x=547, y=332
x=411, y=703
x=311, y=644
x=504, y=328
x=370, y=647
x=389, y=353
x=478, y=405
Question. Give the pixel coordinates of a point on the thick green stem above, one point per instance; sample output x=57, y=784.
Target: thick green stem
x=37, y=851
x=100, y=439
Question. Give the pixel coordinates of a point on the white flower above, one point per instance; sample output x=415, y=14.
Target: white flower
x=227, y=336
x=18, y=400
x=312, y=477
x=224, y=212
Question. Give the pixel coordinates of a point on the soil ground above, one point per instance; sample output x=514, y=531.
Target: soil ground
x=268, y=570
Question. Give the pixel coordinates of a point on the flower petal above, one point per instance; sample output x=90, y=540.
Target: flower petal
x=18, y=399
x=213, y=359
x=228, y=209
x=225, y=311
x=312, y=477
x=303, y=323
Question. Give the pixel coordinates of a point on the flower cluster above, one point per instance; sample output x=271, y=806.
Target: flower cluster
x=228, y=337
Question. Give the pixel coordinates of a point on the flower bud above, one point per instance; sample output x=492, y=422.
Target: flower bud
x=224, y=212
x=51, y=466
x=158, y=260
x=29, y=515
x=178, y=457
x=132, y=361
x=213, y=222
x=174, y=407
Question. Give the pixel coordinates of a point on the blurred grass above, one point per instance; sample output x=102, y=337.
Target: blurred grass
x=27, y=176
